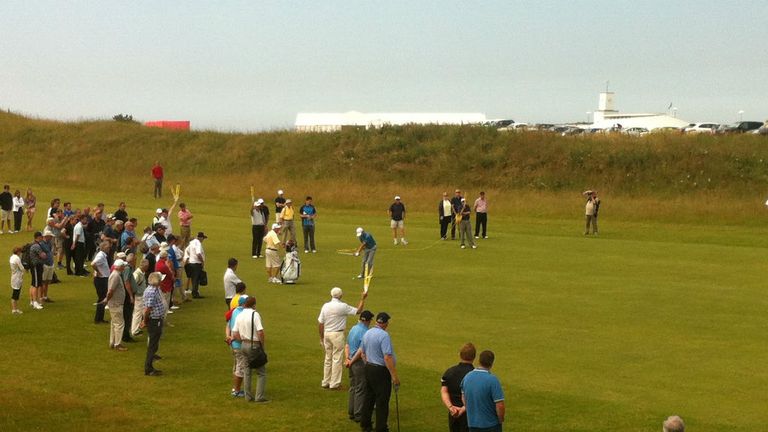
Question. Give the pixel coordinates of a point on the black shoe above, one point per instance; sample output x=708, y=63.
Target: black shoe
x=129, y=340
x=47, y=300
x=156, y=357
x=155, y=372
x=197, y=296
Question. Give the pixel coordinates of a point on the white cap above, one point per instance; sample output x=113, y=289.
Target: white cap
x=259, y=201
x=359, y=231
x=463, y=200
x=164, y=245
x=280, y=192
x=119, y=263
x=397, y=197
x=159, y=210
x=275, y=226
x=336, y=292
x=120, y=255
x=163, y=254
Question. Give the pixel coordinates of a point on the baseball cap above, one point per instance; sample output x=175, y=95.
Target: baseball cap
x=50, y=219
x=119, y=263
x=280, y=192
x=120, y=255
x=110, y=216
x=359, y=231
x=159, y=210
x=47, y=232
x=259, y=201
x=202, y=235
x=366, y=315
x=242, y=299
x=397, y=197
x=382, y=317
x=336, y=292
x=463, y=200
x=275, y=226
x=288, y=201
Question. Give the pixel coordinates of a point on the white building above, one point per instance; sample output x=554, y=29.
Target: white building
x=330, y=122
x=606, y=117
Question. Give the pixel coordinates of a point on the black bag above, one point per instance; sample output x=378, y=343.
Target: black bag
x=203, y=280
x=26, y=256
x=257, y=357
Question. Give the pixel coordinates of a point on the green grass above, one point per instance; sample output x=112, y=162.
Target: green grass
x=653, y=318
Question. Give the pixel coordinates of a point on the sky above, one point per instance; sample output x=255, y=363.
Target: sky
x=253, y=65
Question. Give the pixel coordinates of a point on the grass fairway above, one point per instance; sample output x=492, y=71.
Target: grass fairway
x=611, y=333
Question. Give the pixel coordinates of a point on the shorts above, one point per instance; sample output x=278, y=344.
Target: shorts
x=240, y=364
x=15, y=293
x=5, y=214
x=47, y=273
x=188, y=270
x=37, y=275
x=273, y=258
x=396, y=224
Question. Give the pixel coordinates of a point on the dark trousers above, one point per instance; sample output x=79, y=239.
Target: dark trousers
x=17, y=215
x=101, y=293
x=458, y=424
x=356, y=389
x=69, y=254
x=154, y=331
x=90, y=246
x=481, y=219
x=444, y=222
x=128, y=317
x=158, y=188
x=258, y=239
x=79, y=256
x=378, y=389
x=309, y=237
x=195, y=271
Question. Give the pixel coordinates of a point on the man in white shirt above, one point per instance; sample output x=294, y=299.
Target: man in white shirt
x=249, y=330
x=332, y=322
x=100, y=267
x=230, y=281
x=78, y=246
x=195, y=258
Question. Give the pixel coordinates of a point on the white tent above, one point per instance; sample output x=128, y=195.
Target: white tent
x=606, y=117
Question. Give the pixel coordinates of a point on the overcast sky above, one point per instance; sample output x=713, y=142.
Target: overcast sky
x=253, y=65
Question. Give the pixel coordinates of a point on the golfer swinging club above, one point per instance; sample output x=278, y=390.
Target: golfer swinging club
x=369, y=244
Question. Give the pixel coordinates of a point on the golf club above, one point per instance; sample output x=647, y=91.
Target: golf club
x=397, y=407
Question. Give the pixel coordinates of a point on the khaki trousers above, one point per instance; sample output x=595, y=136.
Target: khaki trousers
x=138, y=314
x=334, y=359
x=116, y=324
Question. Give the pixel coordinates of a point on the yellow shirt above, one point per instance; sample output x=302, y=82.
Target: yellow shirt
x=235, y=300
x=287, y=213
x=271, y=239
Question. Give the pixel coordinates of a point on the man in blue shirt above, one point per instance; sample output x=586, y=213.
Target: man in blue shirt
x=369, y=244
x=241, y=362
x=483, y=397
x=354, y=361
x=308, y=215
x=154, y=311
x=380, y=374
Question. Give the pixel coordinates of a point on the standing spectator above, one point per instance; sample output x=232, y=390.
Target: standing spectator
x=157, y=175
x=66, y=242
x=115, y=299
x=308, y=214
x=380, y=374
x=154, y=313
x=100, y=265
x=47, y=247
x=286, y=222
x=272, y=240
x=230, y=281
x=185, y=221
x=368, y=243
x=175, y=255
x=18, y=210
x=126, y=238
x=17, y=279
x=250, y=332
x=481, y=215
x=457, y=204
x=130, y=302
x=195, y=257
x=445, y=215
x=397, y=219
x=673, y=424
x=92, y=230
x=353, y=360
x=465, y=226
x=37, y=257
x=589, y=211
x=279, y=204
x=6, y=209
x=31, y=202
x=151, y=257
x=450, y=389
x=483, y=397
x=259, y=220
x=240, y=362
x=140, y=278
x=121, y=214
x=332, y=322
x=164, y=267
x=78, y=245
x=239, y=292
x=596, y=200
x=55, y=203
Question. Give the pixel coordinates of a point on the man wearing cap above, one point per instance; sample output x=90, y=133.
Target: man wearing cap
x=465, y=226
x=230, y=281
x=157, y=176
x=368, y=243
x=450, y=389
x=115, y=299
x=279, y=204
x=164, y=267
x=249, y=330
x=332, y=322
x=195, y=258
x=457, y=205
x=272, y=262
x=397, y=219
x=154, y=313
x=483, y=397
x=239, y=360
x=38, y=258
x=185, y=221
x=353, y=360
x=308, y=214
x=380, y=374
x=259, y=220
x=286, y=222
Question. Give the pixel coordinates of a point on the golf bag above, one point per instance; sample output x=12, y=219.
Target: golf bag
x=291, y=268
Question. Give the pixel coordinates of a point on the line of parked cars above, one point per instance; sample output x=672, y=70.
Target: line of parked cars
x=693, y=128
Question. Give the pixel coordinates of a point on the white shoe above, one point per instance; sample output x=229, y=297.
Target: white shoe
x=255, y=256
x=17, y=312
x=106, y=307
x=358, y=276
x=174, y=307
x=404, y=241
x=306, y=251
x=462, y=246
x=474, y=246
x=170, y=312
x=188, y=292
x=477, y=237
x=395, y=239
x=37, y=305
x=314, y=250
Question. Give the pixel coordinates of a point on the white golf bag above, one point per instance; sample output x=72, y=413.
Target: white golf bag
x=291, y=268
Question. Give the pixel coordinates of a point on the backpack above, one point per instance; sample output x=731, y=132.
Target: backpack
x=26, y=256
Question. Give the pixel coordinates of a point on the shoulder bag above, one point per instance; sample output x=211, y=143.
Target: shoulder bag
x=257, y=357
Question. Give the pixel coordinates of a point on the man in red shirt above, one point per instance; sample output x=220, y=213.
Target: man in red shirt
x=157, y=174
x=164, y=267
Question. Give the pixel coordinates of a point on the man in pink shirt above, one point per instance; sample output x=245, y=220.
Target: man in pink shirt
x=185, y=220
x=481, y=215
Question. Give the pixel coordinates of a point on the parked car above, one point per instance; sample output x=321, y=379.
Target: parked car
x=707, y=127
x=740, y=127
x=636, y=131
x=514, y=127
x=668, y=130
x=499, y=123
